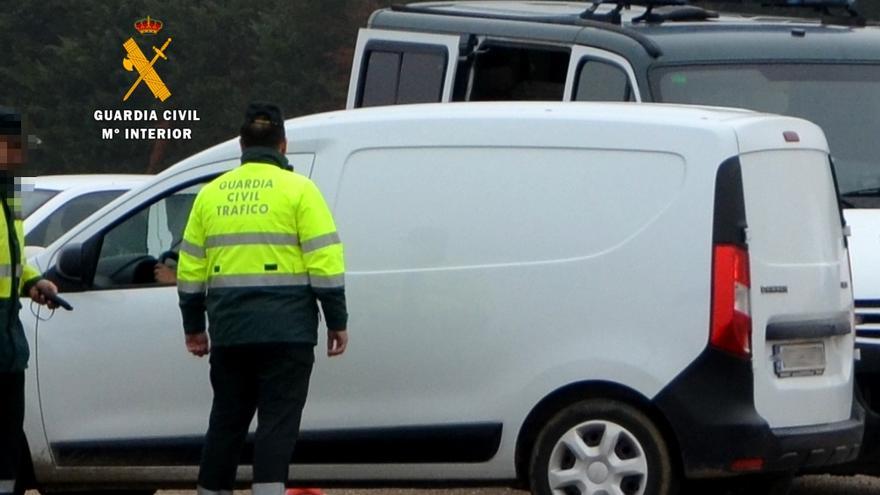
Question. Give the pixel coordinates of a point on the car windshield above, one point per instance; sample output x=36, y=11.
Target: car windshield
x=31, y=200
x=844, y=99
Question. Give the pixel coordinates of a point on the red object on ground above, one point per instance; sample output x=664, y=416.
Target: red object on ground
x=304, y=491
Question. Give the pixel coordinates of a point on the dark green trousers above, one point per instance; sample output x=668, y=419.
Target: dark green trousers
x=11, y=435
x=269, y=379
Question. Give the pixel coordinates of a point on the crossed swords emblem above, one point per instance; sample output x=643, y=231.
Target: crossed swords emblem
x=137, y=61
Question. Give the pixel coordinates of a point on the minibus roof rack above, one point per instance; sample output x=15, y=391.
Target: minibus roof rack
x=572, y=20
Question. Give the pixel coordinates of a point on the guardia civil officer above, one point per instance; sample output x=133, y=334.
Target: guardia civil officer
x=15, y=279
x=259, y=251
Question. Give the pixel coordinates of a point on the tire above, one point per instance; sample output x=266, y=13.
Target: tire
x=601, y=447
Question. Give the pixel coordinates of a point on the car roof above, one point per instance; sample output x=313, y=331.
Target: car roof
x=93, y=181
x=728, y=37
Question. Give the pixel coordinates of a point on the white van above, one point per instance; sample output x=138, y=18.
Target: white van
x=569, y=296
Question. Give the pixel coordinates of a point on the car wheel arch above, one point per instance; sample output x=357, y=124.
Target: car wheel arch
x=573, y=393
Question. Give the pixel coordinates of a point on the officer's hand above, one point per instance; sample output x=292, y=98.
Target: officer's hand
x=337, y=340
x=197, y=344
x=41, y=287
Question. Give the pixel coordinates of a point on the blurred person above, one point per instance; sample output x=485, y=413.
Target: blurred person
x=16, y=279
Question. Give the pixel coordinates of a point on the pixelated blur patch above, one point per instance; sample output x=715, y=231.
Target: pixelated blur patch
x=25, y=184
x=10, y=121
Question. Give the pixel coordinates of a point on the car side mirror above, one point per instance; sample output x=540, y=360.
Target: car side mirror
x=74, y=266
x=70, y=264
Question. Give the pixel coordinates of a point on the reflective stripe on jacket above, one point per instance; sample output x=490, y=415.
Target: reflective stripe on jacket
x=259, y=250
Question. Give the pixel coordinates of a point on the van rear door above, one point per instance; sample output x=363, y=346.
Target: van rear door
x=397, y=67
x=801, y=297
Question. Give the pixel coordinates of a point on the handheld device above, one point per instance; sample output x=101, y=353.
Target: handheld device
x=55, y=298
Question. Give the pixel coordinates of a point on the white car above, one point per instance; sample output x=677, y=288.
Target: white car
x=585, y=298
x=54, y=204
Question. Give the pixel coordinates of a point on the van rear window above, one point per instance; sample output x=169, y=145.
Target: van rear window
x=782, y=188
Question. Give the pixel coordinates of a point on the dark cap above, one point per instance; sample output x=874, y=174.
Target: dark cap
x=10, y=121
x=258, y=110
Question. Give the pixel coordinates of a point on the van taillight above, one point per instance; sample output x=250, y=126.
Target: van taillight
x=731, y=318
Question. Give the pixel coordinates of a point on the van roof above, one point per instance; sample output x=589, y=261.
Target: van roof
x=646, y=113
x=657, y=114
x=727, y=37
x=660, y=114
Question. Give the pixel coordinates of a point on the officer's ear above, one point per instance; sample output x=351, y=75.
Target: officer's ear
x=282, y=146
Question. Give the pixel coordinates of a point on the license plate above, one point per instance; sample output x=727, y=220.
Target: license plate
x=807, y=359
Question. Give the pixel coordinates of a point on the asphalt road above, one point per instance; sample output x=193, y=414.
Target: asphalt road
x=807, y=485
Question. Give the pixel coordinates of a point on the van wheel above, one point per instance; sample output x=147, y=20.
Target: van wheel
x=601, y=447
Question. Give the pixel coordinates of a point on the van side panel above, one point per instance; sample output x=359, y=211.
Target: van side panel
x=518, y=253
x=460, y=208
x=561, y=254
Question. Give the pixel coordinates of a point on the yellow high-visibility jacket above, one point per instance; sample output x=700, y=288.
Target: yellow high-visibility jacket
x=15, y=278
x=259, y=250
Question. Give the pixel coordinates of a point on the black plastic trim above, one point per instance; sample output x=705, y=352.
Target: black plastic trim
x=729, y=220
x=710, y=406
x=458, y=443
x=711, y=409
x=810, y=329
x=821, y=445
x=867, y=303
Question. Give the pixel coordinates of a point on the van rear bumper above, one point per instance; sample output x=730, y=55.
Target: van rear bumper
x=710, y=408
x=816, y=446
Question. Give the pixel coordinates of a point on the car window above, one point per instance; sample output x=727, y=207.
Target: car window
x=68, y=216
x=399, y=73
x=33, y=199
x=131, y=249
x=515, y=73
x=601, y=81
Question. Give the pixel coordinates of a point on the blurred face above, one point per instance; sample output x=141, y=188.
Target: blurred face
x=11, y=152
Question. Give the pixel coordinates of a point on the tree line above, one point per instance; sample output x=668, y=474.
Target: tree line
x=63, y=61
